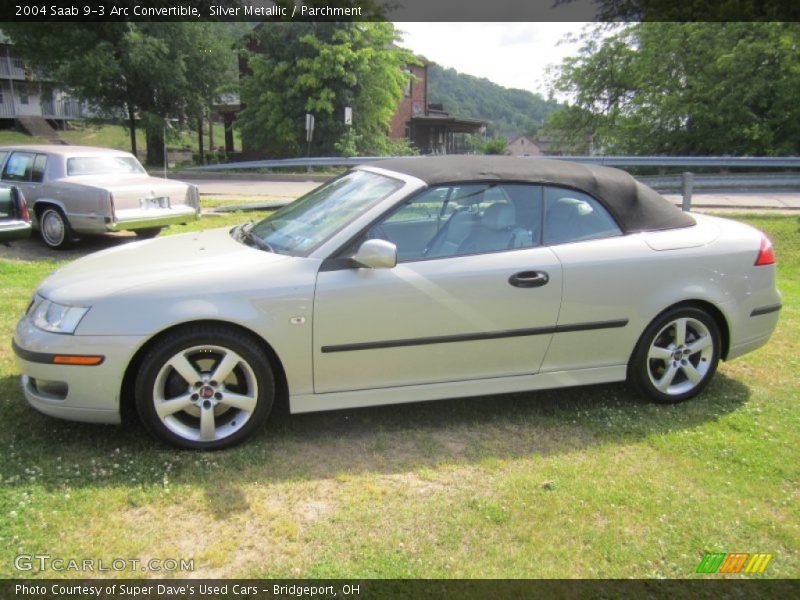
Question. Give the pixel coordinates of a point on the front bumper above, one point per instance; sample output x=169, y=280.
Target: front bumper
x=152, y=217
x=73, y=392
x=11, y=231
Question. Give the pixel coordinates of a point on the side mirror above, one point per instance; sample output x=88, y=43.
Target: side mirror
x=376, y=254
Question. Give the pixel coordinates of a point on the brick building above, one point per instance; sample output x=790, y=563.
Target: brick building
x=429, y=127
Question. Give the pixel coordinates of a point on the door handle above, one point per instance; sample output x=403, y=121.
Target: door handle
x=529, y=279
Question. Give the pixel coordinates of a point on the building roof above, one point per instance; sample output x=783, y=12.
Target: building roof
x=635, y=206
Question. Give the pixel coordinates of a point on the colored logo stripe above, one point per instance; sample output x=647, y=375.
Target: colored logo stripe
x=734, y=562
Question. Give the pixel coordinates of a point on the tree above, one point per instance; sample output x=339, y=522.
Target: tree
x=146, y=71
x=506, y=110
x=685, y=88
x=320, y=68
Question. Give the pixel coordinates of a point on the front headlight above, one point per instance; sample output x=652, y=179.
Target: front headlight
x=57, y=318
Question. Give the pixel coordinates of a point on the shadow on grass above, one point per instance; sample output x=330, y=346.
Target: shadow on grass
x=386, y=440
x=34, y=249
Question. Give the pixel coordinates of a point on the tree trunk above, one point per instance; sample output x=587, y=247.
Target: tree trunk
x=200, y=152
x=155, y=146
x=132, y=127
x=211, y=148
x=228, y=120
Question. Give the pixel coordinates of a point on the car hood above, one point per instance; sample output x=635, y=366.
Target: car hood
x=198, y=260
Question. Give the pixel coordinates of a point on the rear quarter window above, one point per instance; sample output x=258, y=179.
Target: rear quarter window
x=572, y=216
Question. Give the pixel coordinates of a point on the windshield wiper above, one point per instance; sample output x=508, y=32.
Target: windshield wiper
x=248, y=237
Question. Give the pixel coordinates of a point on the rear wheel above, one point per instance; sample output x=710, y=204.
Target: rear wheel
x=54, y=227
x=147, y=233
x=676, y=356
x=206, y=388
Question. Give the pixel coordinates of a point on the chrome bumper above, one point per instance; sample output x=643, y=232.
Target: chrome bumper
x=144, y=218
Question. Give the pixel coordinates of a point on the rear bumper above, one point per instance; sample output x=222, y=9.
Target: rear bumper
x=144, y=218
x=754, y=328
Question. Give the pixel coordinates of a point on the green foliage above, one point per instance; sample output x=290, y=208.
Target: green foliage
x=152, y=70
x=506, y=110
x=685, y=88
x=495, y=145
x=348, y=144
x=321, y=68
x=481, y=145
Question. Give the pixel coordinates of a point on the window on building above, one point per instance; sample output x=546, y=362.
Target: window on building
x=407, y=90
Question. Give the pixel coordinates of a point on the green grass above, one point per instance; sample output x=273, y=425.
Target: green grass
x=116, y=136
x=586, y=482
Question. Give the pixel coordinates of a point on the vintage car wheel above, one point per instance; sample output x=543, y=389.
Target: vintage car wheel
x=205, y=388
x=676, y=356
x=147, y=233
x=54, y=227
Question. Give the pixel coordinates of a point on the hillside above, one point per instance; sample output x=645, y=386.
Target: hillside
x=506, y=110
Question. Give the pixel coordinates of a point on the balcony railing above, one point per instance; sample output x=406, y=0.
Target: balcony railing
x=63, y=109
x=14, y=70
x=49, y=109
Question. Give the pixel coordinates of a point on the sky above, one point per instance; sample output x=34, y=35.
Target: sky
x=513, y=55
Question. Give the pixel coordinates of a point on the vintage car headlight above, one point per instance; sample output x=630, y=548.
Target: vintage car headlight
x=57, y=318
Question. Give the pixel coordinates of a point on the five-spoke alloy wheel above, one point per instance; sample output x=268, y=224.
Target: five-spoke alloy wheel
x=205, y=388
x=676, y=355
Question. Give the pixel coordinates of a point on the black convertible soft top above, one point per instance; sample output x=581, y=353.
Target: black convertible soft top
x=635, y=206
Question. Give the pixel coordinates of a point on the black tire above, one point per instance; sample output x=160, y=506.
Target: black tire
x=666, y=371
x=147, y=233
x=54, y=228
x=205, y=348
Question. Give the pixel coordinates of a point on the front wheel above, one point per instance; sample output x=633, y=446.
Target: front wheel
x=676, y=356
x=205, y=388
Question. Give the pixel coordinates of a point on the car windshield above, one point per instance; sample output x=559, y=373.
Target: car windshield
x=305, y=224
x=103, y=165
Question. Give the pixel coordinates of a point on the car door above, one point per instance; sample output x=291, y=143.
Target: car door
x=606, y=274
x=483, y=305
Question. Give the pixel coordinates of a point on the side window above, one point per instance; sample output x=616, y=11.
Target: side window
x=19, y=166
x=3, y=154
x=465, y=219
x=38, y=168
x=572, y=216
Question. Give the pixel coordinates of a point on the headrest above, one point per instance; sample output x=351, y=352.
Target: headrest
x=499, y=216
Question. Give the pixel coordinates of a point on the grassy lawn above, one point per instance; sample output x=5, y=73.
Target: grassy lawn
x=586, y=482
x=116, y=136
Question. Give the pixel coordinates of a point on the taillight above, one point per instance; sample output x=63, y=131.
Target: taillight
x=766, y=254
x=23, y=208
x=113, y=209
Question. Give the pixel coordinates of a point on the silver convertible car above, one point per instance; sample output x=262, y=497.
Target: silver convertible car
x=75, y=190
x=400, y=281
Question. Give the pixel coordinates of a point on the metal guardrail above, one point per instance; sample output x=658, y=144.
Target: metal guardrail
x=686, y=182
x=284, y=163
x=726, y=162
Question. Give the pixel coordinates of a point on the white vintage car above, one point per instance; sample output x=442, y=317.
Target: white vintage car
x=75, y=190
x=400, y=281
